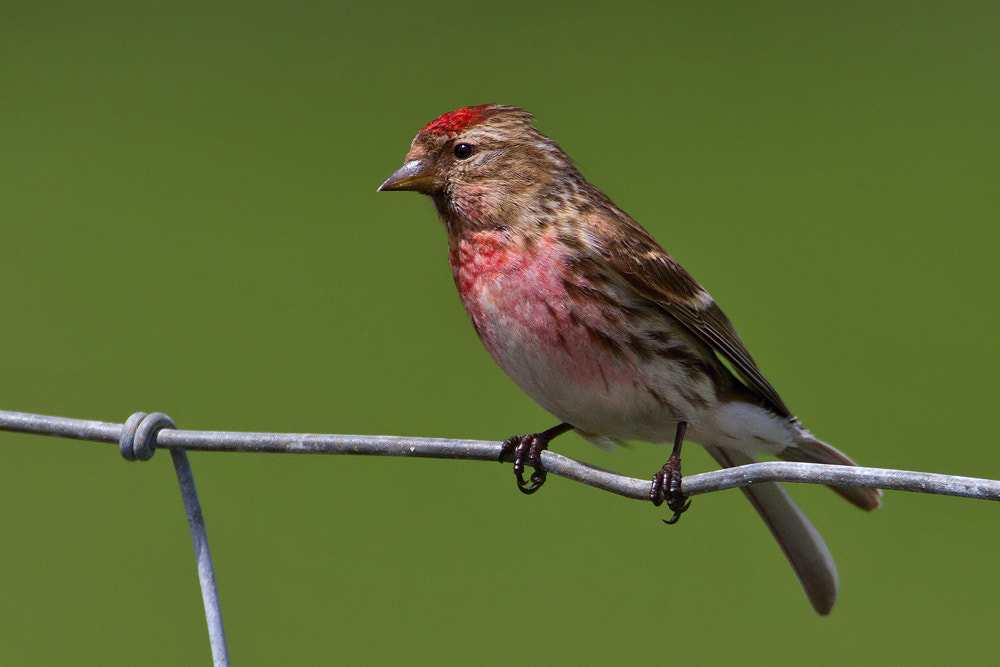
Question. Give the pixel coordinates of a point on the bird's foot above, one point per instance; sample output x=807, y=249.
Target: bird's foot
x=527, y=450
x=667, y=487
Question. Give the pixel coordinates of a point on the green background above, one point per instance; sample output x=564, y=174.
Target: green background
x=190, y=225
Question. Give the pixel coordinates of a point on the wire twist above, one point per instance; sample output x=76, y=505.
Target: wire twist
x=138, y=438
x=137, y=442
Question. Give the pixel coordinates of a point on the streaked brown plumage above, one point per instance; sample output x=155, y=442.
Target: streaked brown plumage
x=597, y=323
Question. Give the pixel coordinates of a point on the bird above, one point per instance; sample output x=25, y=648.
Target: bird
x=599, y=325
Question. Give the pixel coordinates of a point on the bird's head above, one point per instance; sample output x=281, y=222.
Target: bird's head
x=481, y=162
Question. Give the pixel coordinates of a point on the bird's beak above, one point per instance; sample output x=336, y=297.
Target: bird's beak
x=414, y=175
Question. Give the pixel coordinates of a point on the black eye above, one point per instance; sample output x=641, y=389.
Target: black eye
x=463, y=151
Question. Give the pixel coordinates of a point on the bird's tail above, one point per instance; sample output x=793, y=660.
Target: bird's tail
x=803, y=546
x=810, y=450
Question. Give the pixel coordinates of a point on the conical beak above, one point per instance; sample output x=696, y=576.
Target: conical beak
x=414, y=175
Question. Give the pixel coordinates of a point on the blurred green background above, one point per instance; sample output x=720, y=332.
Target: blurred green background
x=190, y=225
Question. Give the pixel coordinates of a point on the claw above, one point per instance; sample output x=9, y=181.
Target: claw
x=537, y=479
x=667, y=487
x=527, y=450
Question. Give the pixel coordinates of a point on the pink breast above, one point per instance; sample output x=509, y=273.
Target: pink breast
x=517, y=300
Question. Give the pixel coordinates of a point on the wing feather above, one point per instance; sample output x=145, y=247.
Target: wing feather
x=639, y=260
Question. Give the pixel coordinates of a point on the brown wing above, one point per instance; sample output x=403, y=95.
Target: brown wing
x=656, y=276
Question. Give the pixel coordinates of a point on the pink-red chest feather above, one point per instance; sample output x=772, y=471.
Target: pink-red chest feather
x=506, y=285
x=516, y=295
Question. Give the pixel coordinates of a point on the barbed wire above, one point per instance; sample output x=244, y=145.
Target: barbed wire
x=142, y=434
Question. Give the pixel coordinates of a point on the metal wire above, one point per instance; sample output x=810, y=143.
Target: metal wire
x=142, y=434
x=138, y=438
x=137, y=442
x=485, y=450
x=203, y=557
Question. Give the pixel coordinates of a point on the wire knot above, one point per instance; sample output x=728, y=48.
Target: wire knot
x=138, y=439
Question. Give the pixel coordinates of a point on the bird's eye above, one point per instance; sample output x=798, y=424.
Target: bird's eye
x=463, y=151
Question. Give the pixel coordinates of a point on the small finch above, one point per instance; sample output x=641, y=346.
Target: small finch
x=592, y=319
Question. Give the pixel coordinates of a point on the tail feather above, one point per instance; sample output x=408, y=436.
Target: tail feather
x=799, y=540
x=810, y=450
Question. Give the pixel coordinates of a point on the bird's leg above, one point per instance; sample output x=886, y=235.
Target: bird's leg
x=527, y=449
x=667, y=482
